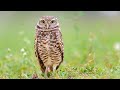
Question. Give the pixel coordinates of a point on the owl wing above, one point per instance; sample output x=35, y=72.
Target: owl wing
x=61, y=49
x=61, y=46
x=38, y=55
x=35, y=47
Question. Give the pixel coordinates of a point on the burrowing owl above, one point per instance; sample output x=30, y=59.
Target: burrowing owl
x=49, y=48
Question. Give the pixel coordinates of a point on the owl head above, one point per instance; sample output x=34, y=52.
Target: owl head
x=47, y=23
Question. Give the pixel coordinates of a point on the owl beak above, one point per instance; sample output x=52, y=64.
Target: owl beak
x=47, y=26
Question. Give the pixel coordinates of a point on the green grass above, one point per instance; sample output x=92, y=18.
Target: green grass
x=88, y=44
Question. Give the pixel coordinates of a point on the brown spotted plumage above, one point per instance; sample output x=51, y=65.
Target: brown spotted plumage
x=48, y=44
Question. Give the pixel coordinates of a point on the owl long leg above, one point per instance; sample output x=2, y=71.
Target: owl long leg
x=54, y=70
x=47, y=71
x=54, y=67
x=45, y=74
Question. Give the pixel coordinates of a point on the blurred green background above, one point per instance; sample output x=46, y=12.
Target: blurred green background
x=83, y=32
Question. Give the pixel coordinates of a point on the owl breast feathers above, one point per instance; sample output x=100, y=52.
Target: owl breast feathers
x=49, y=48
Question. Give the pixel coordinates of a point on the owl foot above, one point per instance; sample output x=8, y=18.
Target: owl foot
x=35, y=76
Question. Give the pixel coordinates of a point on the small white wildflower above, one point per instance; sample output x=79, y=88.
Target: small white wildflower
x=24, y=54
x=22, y=50
x=117, y=46
x=8, y=56
x=111, y=70
x=8, y=49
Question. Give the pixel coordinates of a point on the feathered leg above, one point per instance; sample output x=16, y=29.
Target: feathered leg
x=47, y=72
